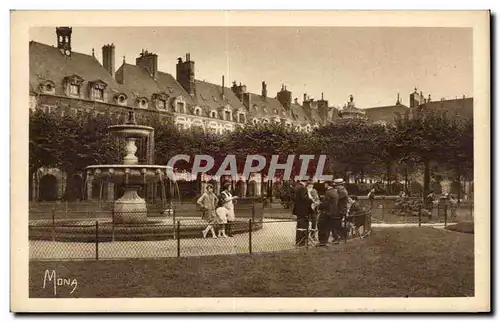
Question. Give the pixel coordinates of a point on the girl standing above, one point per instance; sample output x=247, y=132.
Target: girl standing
x=207, y=202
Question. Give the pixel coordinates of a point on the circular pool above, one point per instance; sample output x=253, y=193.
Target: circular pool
x=105, y=230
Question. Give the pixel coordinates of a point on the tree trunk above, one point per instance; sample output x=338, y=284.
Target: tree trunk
x=198, y=184
x=32, y=185
x=406, y=179
x=388, y=173
x=459, y=189
x=427, y=177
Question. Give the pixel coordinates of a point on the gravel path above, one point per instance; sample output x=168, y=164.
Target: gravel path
x=274, y=236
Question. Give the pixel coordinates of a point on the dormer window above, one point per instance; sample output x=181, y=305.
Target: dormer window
x=265, y=120
x=197, y=111
x=162, y=104
x=255, y=108
x=99, y=94
x=213, y=114
x=213, y=97
x=142, y=102
x=276, y=111
x=227, y=113
x=255, y=121
x=241, y=118
x=179, y=108
x=160, y=101
x=97, y=90
x=48, y=87
x=73, y=84
x=121, y=99
x=170, y=90
x=179, y=105
x=74, y=90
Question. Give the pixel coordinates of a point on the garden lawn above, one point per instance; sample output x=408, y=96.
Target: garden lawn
x=393, y=262
x=463, y=227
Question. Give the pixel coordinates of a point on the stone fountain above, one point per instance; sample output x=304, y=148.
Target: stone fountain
x=130, y=208
x=130, y=220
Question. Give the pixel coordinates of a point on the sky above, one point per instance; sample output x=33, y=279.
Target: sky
x=373, y=64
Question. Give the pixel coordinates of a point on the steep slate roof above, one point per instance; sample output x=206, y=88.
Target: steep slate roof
x=315, y=117
x=385, y=113
x=143, y=85
x=463, y=107
x=299, y=115
x=48, y=63
x=209, y=97
x=258, y=104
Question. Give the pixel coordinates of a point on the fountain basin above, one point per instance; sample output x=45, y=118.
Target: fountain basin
x=130, y=130
x=133, y=174
x=153, y=229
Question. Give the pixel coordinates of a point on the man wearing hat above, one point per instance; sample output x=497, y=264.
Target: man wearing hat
x=342, y=207
x=328, y=210
x=301, y=209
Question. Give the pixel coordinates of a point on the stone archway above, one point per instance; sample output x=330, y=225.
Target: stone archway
x=252, y=188
x=240, y=189
x=96, y=190
x=74, y=188
x=48, y=188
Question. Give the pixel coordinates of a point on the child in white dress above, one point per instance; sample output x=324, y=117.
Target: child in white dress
x=222, y=219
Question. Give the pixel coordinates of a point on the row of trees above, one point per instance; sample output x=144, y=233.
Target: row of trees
x=430, y=144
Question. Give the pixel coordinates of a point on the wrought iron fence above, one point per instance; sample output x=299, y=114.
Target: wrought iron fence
x=77, y=235
x=181, y=238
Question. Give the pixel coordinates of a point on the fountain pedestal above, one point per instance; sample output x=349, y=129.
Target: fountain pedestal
x=130, y=208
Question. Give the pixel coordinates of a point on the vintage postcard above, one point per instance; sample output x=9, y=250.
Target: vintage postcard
x=250, y=161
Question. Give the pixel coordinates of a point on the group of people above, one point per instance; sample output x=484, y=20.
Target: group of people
x=218, y=211
x=328, y=216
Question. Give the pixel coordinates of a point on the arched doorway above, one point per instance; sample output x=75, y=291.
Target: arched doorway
x=48, y=188
x=96, y=190
x=239, y=189
x=252, y=188
x=74, y=188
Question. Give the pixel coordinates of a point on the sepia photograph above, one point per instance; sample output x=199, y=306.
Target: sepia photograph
x=238, y=163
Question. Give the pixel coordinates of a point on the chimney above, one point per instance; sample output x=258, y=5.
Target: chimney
x=284, y=97
x=305, y=97
x=429, y=99
x=108, y=58
x=264, y=89
x=64, y=39
x=222, y=86
x=247, y=100
x=185, y=74
x=464, y=96
x=322, y=96
x=149, y=61
x=398, y=100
